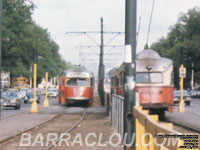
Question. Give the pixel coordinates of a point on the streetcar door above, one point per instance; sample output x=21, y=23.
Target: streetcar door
x=62, y=90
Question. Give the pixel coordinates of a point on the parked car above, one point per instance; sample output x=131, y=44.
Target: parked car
x=18, y=93
x=30, y=97
x=186, y=97
x=11, y=99
x=42, y=91
x=194, y=94
x=52, y=92
x=23, y=91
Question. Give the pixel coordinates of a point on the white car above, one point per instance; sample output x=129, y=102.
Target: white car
x=52, y=92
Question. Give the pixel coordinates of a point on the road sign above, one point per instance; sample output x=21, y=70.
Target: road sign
x=182, y=72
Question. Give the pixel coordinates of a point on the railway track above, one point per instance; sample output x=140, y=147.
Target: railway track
x=61, y=123
x=68, y=130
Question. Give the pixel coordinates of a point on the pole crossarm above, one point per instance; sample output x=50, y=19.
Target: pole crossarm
x=91, y=54
x=93, y=46
x=117, y=34
x=87, y=34
x=78, y=47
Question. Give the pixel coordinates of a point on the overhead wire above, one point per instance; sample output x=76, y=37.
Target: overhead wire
x=147, y=41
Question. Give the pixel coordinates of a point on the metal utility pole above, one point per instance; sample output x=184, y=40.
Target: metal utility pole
x=1, y=4
x=101, y=67
x=130, y=70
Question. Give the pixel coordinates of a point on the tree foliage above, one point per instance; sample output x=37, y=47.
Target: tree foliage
x=22, y=38
x=184, y=37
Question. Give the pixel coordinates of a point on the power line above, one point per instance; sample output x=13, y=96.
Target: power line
x=146, y=46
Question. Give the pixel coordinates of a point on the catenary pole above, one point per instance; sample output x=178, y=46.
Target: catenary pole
x=1, y=7
x=101, y=66
x=130, y=70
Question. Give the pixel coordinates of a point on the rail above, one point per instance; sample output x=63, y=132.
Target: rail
x=117, y=118
x=68, y=130
x=149, y=126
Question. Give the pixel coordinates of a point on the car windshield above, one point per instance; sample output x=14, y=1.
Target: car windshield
x=149, y=77
x=52, y=90
x=30, y=92
x=12, y=94
x=4, y=94
x=19, y=85
x=23, y=90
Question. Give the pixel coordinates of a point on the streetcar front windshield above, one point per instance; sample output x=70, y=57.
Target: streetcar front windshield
x=78, y=82
x=149, y=77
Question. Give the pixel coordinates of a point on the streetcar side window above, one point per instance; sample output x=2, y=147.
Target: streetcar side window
x=122, y=78
x=116, y=81
x=92, y=82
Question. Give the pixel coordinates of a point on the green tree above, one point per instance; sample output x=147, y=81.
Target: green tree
x=184, y=37
x=22, y=37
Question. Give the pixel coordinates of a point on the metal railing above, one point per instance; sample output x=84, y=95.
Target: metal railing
x=117, y=115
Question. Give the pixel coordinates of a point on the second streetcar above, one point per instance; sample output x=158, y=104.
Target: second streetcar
x=77, y=85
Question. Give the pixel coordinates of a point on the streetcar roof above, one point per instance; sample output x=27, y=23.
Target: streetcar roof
x=79, y=72
x=148, y=59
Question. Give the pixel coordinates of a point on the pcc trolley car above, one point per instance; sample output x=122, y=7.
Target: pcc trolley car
x=76, y=86
x=154, y=81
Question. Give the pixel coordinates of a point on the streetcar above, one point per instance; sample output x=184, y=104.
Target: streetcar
x=76, y=86
x=154, y=81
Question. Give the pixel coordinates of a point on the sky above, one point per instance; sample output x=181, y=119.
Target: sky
x=61, y=16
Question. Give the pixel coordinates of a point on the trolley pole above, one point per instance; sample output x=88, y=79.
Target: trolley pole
x=46, y=102
x=101, y=67
x=130, y=42
x=1, y=4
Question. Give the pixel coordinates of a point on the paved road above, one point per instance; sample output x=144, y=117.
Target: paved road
x=55, y=107
x=190, y=118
